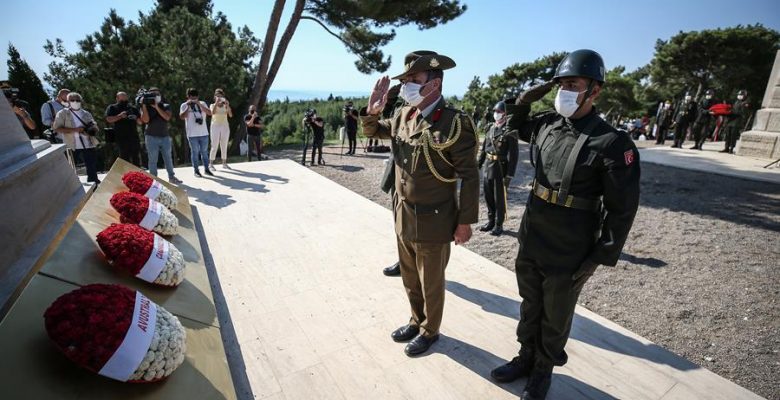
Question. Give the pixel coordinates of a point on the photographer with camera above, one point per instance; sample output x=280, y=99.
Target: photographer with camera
x=254, y=132
x=315, y=124
x=155, y=113
x=351, y=125
x=79, y=133
x=220, y=130
x=20, y=109
x=194, y=113
x=49, y=110
x=125, y=119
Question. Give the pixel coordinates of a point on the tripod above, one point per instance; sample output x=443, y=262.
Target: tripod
x=306, y=134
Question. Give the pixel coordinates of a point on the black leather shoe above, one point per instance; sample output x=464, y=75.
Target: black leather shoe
x=695, y=147
x=420, y=344
x=393, y=270
x=515, y=369
x=209, y=173
x=497, y=231
x=724, y=151
x=405, y=333
x=538, y=385
x=197, y=173
x=487, y=227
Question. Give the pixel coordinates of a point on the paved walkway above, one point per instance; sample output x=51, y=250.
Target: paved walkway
x=709, y=160
x=298, y=260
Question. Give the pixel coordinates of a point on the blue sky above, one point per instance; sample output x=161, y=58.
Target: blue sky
x=489, y=36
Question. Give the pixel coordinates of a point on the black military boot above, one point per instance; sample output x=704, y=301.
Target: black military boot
x=497, y=230
x=393, y=270
x=515, y=369
x=539, y=383
x=487, y=227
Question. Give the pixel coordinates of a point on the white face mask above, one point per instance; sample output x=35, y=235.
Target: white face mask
x=740, y=97
x=709, y=96
x=497, y=116
x=64, y=102
x=410, y=92
x=75, y=105
x=566, y=102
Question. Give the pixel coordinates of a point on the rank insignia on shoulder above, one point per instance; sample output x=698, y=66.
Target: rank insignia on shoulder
x=629, y=157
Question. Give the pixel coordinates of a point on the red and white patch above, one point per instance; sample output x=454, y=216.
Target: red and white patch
x=629, y=157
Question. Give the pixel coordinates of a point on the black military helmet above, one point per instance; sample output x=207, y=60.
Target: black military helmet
x=742, y=92
x=584, y=63
x=500, y=106
x=710, y=92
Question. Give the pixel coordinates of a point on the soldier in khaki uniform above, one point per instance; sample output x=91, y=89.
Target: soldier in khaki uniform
x=434, y=147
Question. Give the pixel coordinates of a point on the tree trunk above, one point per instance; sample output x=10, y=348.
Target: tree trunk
x=279, y=54
x=262, y=71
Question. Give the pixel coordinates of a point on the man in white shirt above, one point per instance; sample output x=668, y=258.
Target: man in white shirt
x=194, y=112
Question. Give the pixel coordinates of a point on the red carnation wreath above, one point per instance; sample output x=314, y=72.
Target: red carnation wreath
x=138, y=209
x=142, y=253
x=116, y=332
x=141, y=183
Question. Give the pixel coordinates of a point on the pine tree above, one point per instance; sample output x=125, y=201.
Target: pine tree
x=22, y=77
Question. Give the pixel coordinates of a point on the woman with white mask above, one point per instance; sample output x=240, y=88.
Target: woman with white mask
x=582, y=204
x=79, y=133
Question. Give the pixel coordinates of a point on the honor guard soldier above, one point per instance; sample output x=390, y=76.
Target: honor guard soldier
x=498, y=161
x=737, y=121
x=705, y=120
x=434, y=148
x=685, y=114
x=583, y=202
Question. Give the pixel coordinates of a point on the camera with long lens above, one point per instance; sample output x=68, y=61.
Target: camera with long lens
x=308, y=115
x=145, y=97
x=196, y=110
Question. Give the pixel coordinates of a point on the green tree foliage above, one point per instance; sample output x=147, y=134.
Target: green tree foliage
x=727, y=60
x=22, y=77
x=356, y=23
x=171, y=48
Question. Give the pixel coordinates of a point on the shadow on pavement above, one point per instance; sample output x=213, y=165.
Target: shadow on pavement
x=208, y=197
x=646, y=261
x=583, y=329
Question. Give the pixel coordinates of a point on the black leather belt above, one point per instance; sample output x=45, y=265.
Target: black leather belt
x=580, y=203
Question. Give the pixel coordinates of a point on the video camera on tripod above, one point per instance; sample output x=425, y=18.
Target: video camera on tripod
x=308, y=116
x=12, y=94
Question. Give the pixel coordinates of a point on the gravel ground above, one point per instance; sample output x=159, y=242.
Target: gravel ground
x=699, y=273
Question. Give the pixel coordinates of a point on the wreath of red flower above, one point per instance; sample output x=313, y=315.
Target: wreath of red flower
x=138, y=182
x=89, y=324
x=131, y=206
x=128, y=246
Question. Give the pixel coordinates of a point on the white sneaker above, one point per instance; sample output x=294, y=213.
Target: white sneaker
x=211, y=167
x=225, y=166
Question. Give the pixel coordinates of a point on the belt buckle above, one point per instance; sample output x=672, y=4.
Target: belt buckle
x=553, y=197
x=569, y=201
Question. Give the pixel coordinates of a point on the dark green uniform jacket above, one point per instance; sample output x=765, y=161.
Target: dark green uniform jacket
x=686, y=113
x=426, y=208
x=499, y=142
x=740, y=112
x=561, y=238
x=704, y=115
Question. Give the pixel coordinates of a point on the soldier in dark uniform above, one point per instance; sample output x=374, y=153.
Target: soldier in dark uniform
x=393, y=104
x=434, y=148
x=705, y=121
x=583, y=202
x=498, y=161
x=740, y=112
x=685, y=113
x=664, y=122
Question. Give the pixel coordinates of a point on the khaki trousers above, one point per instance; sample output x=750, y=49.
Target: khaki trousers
x=422, y=273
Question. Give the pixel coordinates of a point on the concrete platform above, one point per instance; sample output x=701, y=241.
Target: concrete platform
x=307, y=313
x=709, y=160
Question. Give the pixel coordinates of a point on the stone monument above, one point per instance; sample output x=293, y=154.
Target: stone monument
x=763, y=140
x=40, y=196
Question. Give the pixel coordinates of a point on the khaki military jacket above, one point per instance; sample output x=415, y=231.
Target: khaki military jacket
x=431, y=155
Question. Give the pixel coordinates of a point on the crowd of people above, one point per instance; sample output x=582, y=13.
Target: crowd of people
x=66, y=121
x=699, y=121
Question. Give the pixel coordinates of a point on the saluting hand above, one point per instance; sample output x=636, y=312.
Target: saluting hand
x=378, y=98
x=535, y=93
x=462, y=234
